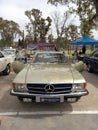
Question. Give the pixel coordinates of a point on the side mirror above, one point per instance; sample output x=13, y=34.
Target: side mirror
x=79, y=66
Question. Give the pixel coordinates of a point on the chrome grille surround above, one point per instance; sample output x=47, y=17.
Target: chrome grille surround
x=45, y=88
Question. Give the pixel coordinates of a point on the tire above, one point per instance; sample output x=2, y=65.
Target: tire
x=7, y=70
x=20, y=98
x=89, y=68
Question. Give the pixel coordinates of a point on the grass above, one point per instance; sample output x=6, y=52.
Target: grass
x=70, y=52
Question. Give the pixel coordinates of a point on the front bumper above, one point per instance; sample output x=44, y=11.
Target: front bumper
x=66, y=95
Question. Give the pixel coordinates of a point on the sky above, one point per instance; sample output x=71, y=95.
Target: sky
x=15, y=10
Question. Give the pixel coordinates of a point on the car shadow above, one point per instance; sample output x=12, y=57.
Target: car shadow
x=11, y=104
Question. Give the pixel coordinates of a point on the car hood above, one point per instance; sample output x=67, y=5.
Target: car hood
x=49, y=73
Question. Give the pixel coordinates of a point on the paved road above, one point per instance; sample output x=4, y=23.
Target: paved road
x=10, y=103
x=51, y=122
x=70, y=116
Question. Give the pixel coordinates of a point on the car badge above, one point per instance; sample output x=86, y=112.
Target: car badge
x=49, y=88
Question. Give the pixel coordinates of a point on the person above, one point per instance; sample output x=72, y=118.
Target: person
x=75, y=55
x=83, y=49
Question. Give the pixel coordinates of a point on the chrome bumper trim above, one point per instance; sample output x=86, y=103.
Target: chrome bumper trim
x=76, y=94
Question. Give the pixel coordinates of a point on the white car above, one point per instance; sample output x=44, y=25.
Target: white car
x=49, y=77
x=5, y=64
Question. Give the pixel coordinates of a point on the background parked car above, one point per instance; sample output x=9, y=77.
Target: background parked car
x=92, y=61
x=11, y=52
x=5, y=64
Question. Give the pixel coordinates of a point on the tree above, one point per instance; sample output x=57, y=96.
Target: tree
x=50, y=38
x=85, y=10
x=96, y=6
x=34, y=16
x=8, y=31
x=60, y=23
x=38, y=26
x=72, y=33
x=56, y=2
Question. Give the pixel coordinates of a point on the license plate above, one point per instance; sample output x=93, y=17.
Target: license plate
x=49, y=99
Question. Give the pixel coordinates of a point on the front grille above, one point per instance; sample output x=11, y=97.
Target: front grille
x=58, y=88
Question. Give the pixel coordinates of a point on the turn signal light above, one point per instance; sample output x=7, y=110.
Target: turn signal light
x=12, y=85
x=85, y=84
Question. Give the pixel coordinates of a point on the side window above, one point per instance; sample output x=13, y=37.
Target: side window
x=1, y=55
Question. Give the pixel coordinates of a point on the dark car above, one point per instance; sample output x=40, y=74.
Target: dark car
x=92, y=61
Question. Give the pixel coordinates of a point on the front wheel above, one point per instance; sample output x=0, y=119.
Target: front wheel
x=89, y=68
x=7, y=70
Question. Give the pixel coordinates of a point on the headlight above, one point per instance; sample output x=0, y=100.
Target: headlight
x=78, y=87
x=20, y=87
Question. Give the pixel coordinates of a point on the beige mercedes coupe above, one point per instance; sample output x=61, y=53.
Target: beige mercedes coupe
x=49, y=77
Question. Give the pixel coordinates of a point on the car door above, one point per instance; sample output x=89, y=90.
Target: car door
x=2, y=62
x=95, y=56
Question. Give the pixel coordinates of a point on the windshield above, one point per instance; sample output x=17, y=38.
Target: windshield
x=50, y=58
x=9, y=52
